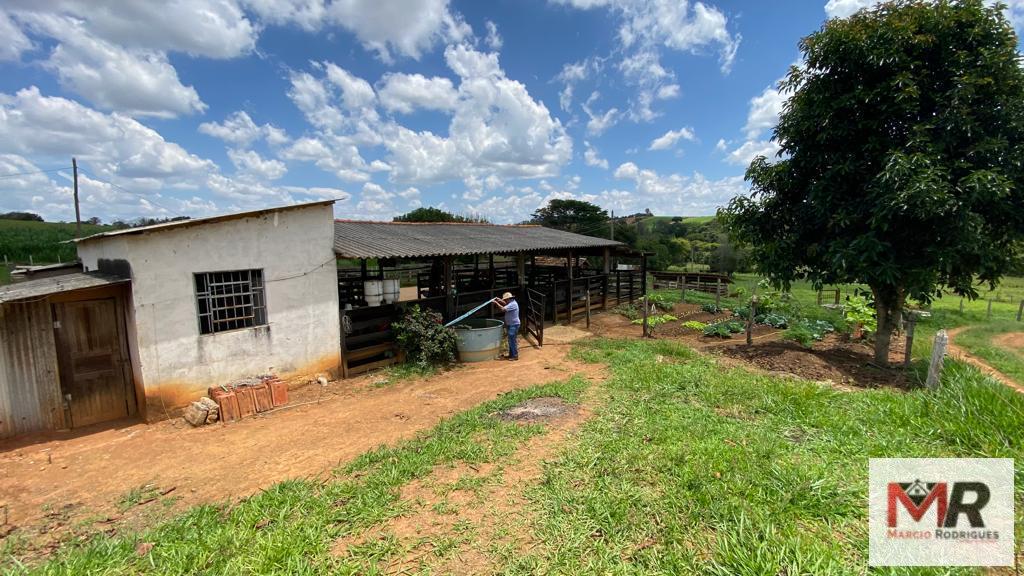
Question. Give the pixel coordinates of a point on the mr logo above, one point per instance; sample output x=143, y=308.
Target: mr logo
x=917, y=497
x=955, y=512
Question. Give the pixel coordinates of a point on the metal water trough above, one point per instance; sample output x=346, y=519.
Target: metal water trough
x=479, y=339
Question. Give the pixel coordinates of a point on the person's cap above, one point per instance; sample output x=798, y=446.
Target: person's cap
x=506, y=295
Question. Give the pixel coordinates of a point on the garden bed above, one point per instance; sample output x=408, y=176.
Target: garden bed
x=832, y=359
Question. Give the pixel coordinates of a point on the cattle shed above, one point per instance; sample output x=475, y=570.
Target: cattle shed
x=453, y=267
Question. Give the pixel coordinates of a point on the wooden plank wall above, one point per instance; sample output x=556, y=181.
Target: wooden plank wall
x=29, y=386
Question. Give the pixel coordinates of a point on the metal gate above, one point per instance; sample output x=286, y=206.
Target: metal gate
x=534, y=319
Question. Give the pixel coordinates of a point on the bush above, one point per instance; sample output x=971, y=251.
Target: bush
x=772, y=319
x=741, y=312
x=662, y=301
x=423, y=337
x=857, y=310
x=723, y=329
x=807, y=332
x=694, y=325
x=711, y=308
x=630, y=311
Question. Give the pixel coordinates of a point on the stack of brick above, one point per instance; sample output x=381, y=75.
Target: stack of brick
x=248, y=397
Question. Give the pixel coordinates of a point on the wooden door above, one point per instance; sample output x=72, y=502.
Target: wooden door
x=93, y=361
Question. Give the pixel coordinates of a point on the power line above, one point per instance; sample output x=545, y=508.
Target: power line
x=127, y=191
x=30, y=173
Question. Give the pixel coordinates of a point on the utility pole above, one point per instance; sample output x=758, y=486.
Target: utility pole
x=611, y=227
x=78, y=213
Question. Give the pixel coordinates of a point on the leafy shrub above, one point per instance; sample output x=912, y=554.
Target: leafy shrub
x=857, y=310
x=807, y=332
x=694, y=325
x=662, y=300
x=630, y=311
x=423, y=337
x=711, y=308
x=723, y=329
x=772, y=319
x=655, y=321
x=782, y=303
x=741, y=312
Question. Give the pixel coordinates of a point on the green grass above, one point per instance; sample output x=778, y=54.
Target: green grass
x=5, y=275
x=684, y=468
x=689, y=468
x=41, y=240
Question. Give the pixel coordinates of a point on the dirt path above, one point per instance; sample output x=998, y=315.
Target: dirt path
x=49, y=483
x=961, y=354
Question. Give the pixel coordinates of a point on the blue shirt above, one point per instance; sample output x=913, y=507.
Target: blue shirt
x=512, y=313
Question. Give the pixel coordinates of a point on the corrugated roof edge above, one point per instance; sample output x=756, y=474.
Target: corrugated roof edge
x=347, y=221
x=200, y=221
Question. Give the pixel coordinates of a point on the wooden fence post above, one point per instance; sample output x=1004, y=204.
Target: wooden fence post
x=684, y=287
x=911, y=323
x=988, y=315
x=646, y=330
x=718, y=293
x=1020, y=310
x=938, y=353
x=588, y=302
x=750, y=320
x=961, y=305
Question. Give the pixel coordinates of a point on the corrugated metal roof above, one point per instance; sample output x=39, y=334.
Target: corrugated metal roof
x=55, y=284
x=198, y=221
x=420, y=240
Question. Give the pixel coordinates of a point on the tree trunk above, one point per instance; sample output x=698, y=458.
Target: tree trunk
x=888, y=307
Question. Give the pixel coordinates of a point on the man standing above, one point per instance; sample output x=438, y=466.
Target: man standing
x=508, y=304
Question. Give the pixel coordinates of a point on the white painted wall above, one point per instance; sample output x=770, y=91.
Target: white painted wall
x=295, y=249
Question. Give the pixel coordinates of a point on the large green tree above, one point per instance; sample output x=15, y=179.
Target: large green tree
x=573, y=216
x=431, y=214
x=902, y=142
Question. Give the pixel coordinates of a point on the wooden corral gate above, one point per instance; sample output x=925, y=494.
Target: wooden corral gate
x=367, y=340
x=92, y=355
x=533, y=319
x=708, y=282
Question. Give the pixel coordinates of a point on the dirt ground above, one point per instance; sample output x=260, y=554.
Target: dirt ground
x=1012, y=341
x=488, y=502
x=57, y=485
x=847, y=364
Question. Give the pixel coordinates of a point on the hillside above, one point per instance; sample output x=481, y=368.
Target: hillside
x=41, y=240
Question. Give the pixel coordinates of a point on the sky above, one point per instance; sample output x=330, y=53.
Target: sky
x=203, y=107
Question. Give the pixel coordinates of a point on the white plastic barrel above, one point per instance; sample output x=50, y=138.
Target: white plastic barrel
x=392, y=290
x=372, y=292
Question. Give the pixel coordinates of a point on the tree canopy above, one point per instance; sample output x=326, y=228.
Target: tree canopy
x=902, y=142
x=573, y=216
x=25, y=216
x=431, y=214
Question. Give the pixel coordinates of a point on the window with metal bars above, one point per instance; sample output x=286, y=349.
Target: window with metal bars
x=230, y=300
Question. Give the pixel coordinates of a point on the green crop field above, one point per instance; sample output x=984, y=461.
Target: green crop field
x=40, y=241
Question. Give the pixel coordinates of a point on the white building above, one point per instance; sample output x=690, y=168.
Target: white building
x=207, y=301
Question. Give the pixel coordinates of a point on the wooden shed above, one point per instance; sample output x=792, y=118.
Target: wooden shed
x=64, y=358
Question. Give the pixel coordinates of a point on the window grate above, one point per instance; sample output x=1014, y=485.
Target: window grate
x=230, y=300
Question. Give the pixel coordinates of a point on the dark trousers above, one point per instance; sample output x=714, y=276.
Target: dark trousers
x=513, y=343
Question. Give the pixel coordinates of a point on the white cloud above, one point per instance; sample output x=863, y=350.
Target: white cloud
x=213, y=29
x=12, y=40
x=405, y=27
x=251, y=163
x=137, y=81
x=405, y=93
x=592, y=157
x=307, y=14
x=676, y=194
x=496, y=130
x=669, y=139
x=844, y=8
x=599, y=122
x=493, y=39
x=356, y=93
x=764, y=111
x=762, y=116
x=668, y=92
x=572, y=73
x=240, y=130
